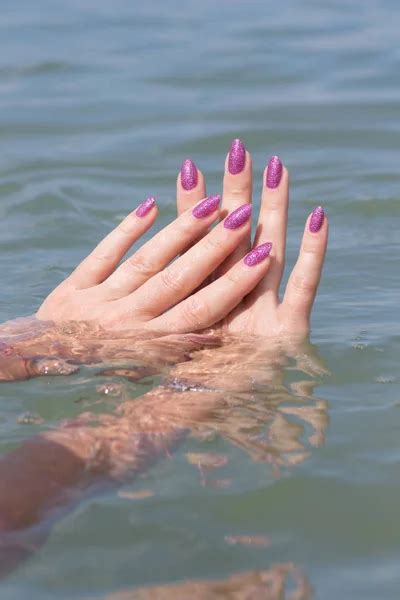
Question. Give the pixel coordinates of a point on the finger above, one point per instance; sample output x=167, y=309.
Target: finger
x=190, y=189
x=304, y=279
x=272, y=222
x=161, y=249
x=190, y=186
x=179, y=279
x=237, y=190
x=218, y=299
x=105, y=257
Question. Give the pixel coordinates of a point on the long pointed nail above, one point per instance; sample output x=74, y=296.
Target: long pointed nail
x=238, y=217
x=206, y=207
x=258, y=254
x=317, y=218
x=189, y=175
x=274, y=172
x=145, y=207
x=237, y=157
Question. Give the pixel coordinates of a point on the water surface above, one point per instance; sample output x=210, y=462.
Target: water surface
x=99, y=104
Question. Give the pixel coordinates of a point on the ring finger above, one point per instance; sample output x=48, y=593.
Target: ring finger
x=272, y=224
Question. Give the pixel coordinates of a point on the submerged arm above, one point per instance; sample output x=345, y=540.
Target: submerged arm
x=50, y=472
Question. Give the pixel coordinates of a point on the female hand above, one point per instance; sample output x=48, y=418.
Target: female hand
x=261, y=312
x=149, y=292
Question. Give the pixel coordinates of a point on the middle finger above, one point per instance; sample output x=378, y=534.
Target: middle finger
x=237, y=190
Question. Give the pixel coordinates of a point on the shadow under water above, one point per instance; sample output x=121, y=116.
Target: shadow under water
x=280, y=582
x=254, y=393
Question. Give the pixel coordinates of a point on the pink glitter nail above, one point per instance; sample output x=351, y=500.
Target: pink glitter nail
x=145, y=207
x=189, y=175
x=274, y=172
x=258, y=254
x=317, y=218
x=238, y=217
x=206, y=207
x=237, y=157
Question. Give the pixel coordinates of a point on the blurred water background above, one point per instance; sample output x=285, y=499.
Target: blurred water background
x=99, y=104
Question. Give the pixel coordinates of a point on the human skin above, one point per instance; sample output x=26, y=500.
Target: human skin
x=148, y=291
x=209, y=388
x=262, y=312
x=139, y=297
x=133, y=296
x=48, y=474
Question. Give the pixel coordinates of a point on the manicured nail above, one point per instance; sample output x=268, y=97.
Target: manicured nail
x=145, y=207
x=274, y=172
x=237, y=157
x=258, y=254
x=189, y=175
x=317, y=218
x=238, y=217
x=206, y=207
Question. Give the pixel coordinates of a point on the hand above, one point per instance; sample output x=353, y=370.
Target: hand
x=262, y=312
x=147, y=291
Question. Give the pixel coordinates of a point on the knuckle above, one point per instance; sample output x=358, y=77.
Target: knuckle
x=237, y=194
x=301, y=284
x=126, y=227
x=273, y=202
x=241, y=185
x=233, y=277
x=171, y=280
x=212, y=242
x=310, y=249
x=100, y=258
x=186, y=227
x=196, y=313
x=140, y=264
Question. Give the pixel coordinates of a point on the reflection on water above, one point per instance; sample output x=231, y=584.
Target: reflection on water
x=280, y=582
x=100, y=103
x=252, y=405
x=212, y=383
x=254, y=394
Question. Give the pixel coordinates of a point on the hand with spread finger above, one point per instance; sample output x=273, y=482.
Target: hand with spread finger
x=149, y=292
x=262, y=312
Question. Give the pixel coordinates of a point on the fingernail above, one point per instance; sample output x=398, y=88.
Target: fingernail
x=237, y=157
x=317, y=218
x=189, y=175
x=238, y=217
x=274, y=172
x=258, y=254
x=206, y=207
x=145, y=207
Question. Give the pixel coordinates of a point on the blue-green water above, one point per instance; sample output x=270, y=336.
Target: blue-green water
x=99, y=104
